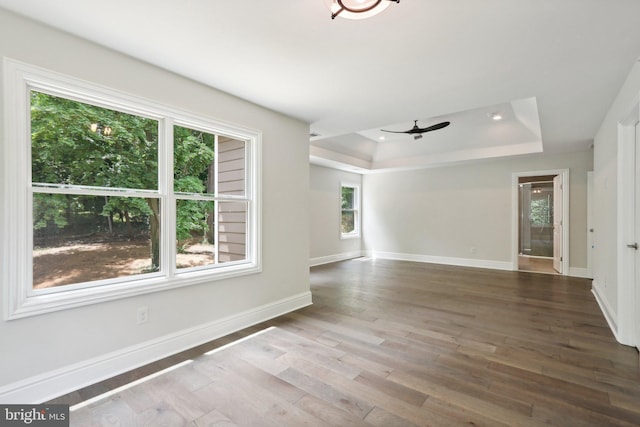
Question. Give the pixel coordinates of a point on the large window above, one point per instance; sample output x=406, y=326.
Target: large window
x=107, y=195
x=350, y=211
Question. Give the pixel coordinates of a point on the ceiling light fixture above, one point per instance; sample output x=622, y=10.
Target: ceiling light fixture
x=495, y=116
x=357, y=9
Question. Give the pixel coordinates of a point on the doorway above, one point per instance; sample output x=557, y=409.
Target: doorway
x=540, y=229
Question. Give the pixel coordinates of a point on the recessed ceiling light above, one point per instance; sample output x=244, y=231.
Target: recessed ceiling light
x=495, y=116
x=381, y=138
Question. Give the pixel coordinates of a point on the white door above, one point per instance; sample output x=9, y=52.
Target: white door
x=634, y=245
x=557, y=223
x=590, y=230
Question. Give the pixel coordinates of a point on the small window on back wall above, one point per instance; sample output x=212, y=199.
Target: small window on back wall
x=350, y=211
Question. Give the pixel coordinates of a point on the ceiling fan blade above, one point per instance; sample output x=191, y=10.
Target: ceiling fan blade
x=435, y=127
x=415, y=130
x=395, y=131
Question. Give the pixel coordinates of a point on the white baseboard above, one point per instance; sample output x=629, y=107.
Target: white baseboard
x=461, y=262
x=608, y=313
x=49, y=385
x=334, y=258
x=579, y=272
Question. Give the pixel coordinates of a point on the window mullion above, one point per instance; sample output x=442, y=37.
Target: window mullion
x=165, y=182
x=91, y=191
x=216, y=206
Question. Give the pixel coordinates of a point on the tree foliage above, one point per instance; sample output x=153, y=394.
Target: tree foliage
x=74, y=143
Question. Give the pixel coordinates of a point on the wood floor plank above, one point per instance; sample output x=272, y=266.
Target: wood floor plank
x=214, y=419
x=318, y=388
x=396, y=343
x=329, y=413
x=393, y=389
x=381, y=418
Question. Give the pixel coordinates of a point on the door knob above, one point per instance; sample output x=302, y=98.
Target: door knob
x=634, y=246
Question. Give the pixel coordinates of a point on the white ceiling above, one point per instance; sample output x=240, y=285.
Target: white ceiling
x=551, y=67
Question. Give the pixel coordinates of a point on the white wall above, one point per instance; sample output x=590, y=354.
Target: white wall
x=50, y=354
x=324, y=213
x=605, y=211
x=463, y=214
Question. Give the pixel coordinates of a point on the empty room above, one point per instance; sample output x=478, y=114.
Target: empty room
x=320, y=212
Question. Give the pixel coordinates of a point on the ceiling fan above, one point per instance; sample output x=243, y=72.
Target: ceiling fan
x=418, y=131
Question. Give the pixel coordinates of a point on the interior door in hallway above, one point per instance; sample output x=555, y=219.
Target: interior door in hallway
x=557, y=223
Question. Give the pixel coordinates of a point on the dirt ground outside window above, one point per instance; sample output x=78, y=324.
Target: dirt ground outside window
x=86, y=260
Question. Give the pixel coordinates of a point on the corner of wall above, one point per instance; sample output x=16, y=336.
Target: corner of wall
x=605, y=307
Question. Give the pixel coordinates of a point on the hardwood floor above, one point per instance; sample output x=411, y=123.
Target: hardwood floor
x=540, y=265
x=391, y=343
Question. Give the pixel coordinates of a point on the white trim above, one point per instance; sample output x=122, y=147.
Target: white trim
x=461, y=262
x=626, y=224
x=15, y=276
x=334, y=258
x=55, y=383
x=357, y=211
x=606, y=310
x=565, y=210
x=582, y=273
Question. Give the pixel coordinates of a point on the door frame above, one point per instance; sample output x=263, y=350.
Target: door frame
x=558, y=197
x=515, y=232
x=625, y=322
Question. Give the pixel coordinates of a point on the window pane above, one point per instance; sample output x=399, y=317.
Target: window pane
x=80, y=144
x=196, y=241
x=87, y=238
x=348, y=222
x=231, y=164
x=347, y=197
x=540, y=209
x=232, y=231
x=193, y=161
x=195, y=233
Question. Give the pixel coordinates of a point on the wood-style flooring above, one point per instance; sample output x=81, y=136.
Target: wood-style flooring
x=392, y=343
x=540, y=265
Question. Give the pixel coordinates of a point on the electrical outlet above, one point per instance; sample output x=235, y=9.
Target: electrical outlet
x=142, y=314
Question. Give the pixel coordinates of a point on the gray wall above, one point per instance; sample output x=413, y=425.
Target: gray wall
x=67, y=341
x=445, y=212
x=324, y=214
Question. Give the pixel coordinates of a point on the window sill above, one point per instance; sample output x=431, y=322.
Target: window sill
x=33, y=304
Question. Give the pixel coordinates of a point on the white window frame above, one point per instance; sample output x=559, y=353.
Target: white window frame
x=16, y=226
x=356, y=210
